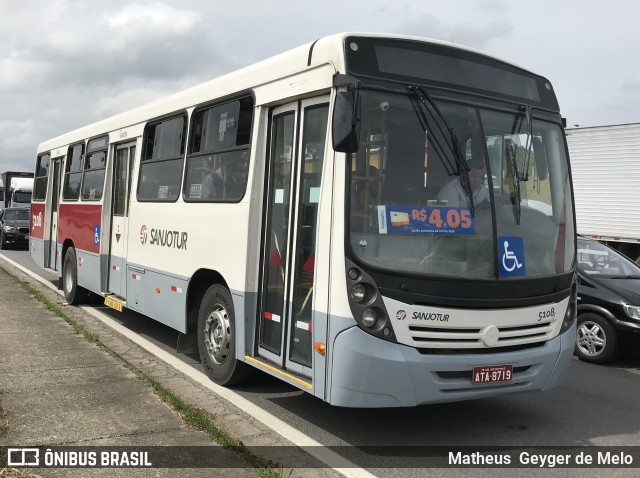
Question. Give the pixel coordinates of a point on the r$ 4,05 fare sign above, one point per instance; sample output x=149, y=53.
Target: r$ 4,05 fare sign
x=425, y=220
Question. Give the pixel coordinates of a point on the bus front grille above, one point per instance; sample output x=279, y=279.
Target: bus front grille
x=474, y=337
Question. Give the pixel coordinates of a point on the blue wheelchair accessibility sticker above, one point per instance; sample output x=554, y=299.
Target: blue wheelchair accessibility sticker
x=511, y=256
x=96, y=235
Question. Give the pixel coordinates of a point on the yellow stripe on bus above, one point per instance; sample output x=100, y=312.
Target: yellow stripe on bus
x=279, y=372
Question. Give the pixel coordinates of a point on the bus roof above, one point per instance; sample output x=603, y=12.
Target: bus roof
x=326, y=50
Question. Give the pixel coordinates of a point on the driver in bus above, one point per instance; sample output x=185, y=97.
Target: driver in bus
x=453, y=194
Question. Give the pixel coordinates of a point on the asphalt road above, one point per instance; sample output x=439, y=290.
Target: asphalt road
x=598, y=405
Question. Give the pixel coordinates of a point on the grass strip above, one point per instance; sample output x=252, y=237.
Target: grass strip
x=57, y=311
x=200, y=420
x=194, y=417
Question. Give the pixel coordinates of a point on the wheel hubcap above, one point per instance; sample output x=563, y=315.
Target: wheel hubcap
x=68, y=280
x=591, y=339
x=217, y=334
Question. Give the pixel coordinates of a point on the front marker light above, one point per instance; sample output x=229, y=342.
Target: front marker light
x=354, y=273
x=369, y=318
x=632, y=311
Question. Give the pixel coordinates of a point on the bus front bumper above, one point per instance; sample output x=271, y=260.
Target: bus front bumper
x=369, y=372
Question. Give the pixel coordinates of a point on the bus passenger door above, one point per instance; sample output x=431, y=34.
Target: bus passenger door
x=53, y=223
x=121, y=191
x=290, y=293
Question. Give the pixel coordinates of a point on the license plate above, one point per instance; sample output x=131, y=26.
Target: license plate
x=492, y=374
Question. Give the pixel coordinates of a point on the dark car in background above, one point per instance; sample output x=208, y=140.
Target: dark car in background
x=14, y=227
x=608, y=303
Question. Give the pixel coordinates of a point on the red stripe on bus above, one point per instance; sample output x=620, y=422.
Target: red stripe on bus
x=37, y=220
x=77, y=222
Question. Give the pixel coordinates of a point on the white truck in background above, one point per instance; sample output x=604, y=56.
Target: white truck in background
x=605, y=165
x=18, y=187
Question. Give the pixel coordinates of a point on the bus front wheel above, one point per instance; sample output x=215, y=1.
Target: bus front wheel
x=217, y=338
x=72, y=291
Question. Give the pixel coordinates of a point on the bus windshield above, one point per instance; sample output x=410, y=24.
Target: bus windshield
x=22, y=197
x=444, y=188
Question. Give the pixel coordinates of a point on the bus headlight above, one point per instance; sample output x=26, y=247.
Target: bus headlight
x=366, y=303
x=632, y=311
x=359, y=293
x=369, y=318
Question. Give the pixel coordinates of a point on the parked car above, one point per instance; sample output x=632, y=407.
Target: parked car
x=14, y=227
x=608, y=302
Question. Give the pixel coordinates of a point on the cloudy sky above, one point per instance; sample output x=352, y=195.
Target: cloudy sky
x=66, y=63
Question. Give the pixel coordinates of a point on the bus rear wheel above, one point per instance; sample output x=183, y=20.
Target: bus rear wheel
x=217, y=338
x=72, y=291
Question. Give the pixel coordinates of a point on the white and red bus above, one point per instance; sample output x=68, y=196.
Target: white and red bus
x=378, y=220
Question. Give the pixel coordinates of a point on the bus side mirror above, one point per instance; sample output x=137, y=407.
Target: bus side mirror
x=346, y=121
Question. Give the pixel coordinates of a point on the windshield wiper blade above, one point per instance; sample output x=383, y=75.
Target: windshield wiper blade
x=432, y=109
x=516, y=200
x=463, y=170
x=529, y=145
x=420, y=107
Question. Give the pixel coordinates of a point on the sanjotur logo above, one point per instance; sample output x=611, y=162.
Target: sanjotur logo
x=143, y=235
x=164, y=238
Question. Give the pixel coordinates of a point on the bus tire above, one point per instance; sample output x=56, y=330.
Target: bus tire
x=596, y=341
x=217, y=338
x=72, y=291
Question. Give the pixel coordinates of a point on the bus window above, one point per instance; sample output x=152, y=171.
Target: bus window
x=218, y=163
x=73, y=172
x=42, y=175
x=94, y=169
x=161, y=166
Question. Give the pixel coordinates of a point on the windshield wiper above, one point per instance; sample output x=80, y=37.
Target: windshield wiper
x=416, y=101
x=511, y=158
x=429, y=106
x=525, y=171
